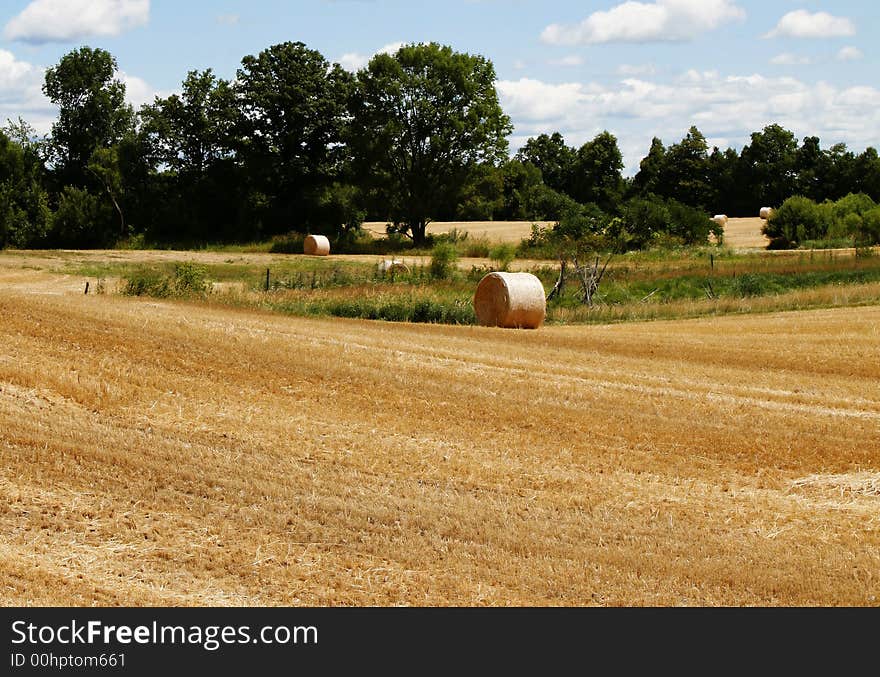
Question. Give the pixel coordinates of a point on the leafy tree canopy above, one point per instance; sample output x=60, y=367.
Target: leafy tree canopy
x=421, y=119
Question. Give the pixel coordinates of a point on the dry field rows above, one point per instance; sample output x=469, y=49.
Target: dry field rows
x=156, y=453
x=739, y=233
x=494, y=231
x=745, y=233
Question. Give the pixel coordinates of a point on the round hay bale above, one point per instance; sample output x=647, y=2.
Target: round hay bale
x=720, y=219
x=511, y=300
x=393, y=267
x=765, y=212
x=316, y=245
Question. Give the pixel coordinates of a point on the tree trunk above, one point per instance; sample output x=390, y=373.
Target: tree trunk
x=419, y=229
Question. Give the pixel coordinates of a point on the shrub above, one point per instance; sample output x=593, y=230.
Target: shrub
x=147, y=282
x=689, y=224
x=797, y=220
x=189, y=279
x=870, y=231
x=82, y=220
x=748, y=284
x=292, y=243
x=502, y=255
x=403, y=310
x=641, y=218
x=477, y=248
x=443, y=258
x=854, y=203
x=545, y=204
x=24, y=216
x=579, y=221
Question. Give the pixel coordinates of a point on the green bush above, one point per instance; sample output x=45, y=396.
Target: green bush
x=649, y=220
x=502, y=255
x=798, y=219
x=147, y=282
x=402, y=310
x=189, y=279
x=82, y=220
x=477, y=248
x=689, y=224
x=870, y=232
x=748, y=284
x=542, y=203
x=443, y=258
x=292, y=243
x=849, y=225
x=854, y=203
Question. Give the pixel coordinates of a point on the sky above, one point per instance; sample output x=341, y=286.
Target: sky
x=638, y=69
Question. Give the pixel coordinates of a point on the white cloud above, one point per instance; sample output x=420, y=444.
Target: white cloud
x=535, y=100
x=353, y=61
x=228, y=19
x=726, y=108
x=64, y=20
x=137, y=90
x=637, y=69
x=21, y=93
x=659, y=21
x=803, y=24
x=789, y=59
x=849, y=54
x=571, y=60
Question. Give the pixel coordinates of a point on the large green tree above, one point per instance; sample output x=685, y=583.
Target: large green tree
x=647, y=179
x=837, y=168
x=685, y=175
x=596, y=175
x=421, y=120
x=191, y=130
x=293, y=107
x=553, y=157
x=191, y=136
x=722, y=181
x=867, y=172
x=808, y=166
x=24, y=211
x=92, y=112
x=767, y=171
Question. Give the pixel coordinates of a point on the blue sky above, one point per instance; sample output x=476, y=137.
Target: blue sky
x=636, y=68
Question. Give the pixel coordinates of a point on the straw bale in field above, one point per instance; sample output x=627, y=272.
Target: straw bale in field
x=512, y=300
x=316, y=245
x=720, y=219
x=393, y=267
x=765, y=212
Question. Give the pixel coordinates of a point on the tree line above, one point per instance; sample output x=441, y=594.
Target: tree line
x=296, y=144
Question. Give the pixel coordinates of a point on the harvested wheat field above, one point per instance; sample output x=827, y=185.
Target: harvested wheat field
x=156, y=453
x=494, y=231
x=745, y=233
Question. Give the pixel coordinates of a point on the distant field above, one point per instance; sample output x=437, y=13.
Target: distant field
x=494, y=231
x=164, y=453
x=745, y=233
x=740, y=233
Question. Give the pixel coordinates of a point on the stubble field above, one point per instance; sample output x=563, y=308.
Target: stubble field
x=162, y=453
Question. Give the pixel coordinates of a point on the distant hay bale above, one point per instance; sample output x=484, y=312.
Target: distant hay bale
x=511, y=300
x=720, y=219
x=316, y=245
x=765, y=212
x=393, y=267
